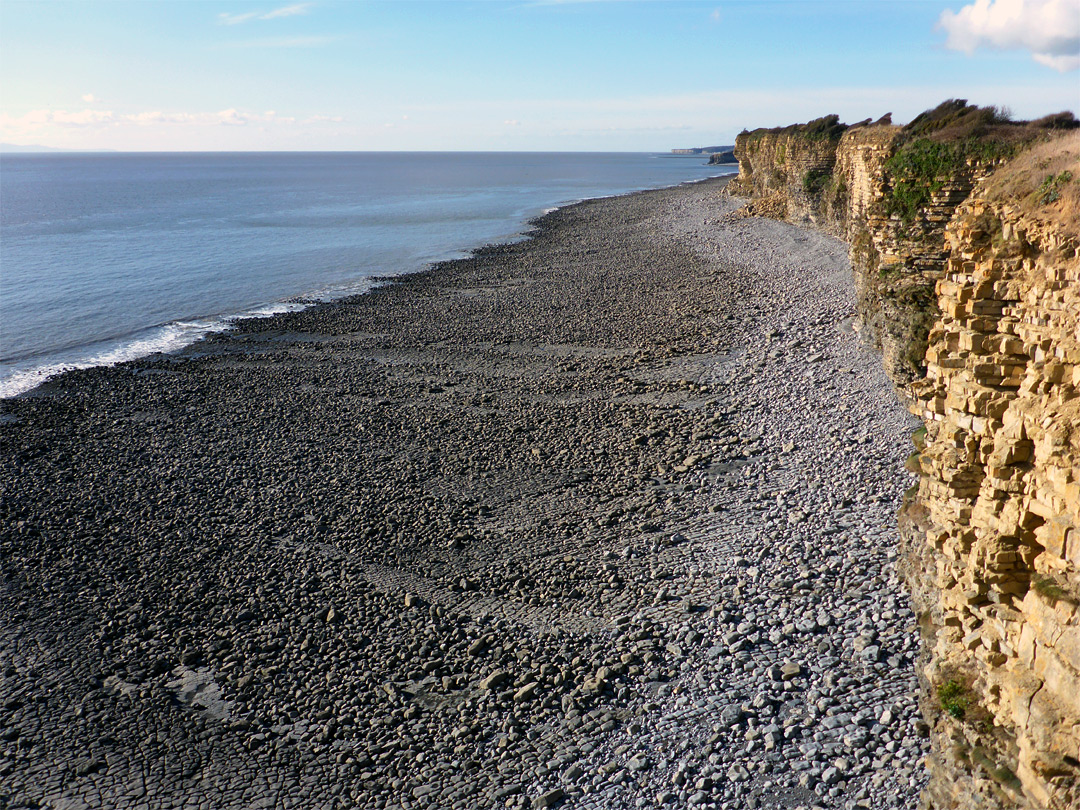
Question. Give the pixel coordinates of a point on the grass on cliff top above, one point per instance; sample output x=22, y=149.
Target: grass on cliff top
x=826, y=128
x=1043, y=181
x=956, y=120
x=941, y=143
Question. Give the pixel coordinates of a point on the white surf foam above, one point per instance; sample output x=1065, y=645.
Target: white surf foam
x=164, y=339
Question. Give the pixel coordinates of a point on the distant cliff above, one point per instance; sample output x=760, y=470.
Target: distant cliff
x=723, y=158
x=702, y=150
x=964, y=230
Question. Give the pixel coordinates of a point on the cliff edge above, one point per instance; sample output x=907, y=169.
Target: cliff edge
x=964, y=231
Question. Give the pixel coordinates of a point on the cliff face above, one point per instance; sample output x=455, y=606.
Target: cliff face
x=844, y=185
x=784, y=171
x=993, y=536
x=970, y=285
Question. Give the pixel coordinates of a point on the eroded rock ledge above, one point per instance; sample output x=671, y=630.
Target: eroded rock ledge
x=970, y=285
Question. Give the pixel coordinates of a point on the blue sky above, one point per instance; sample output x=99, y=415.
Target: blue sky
x=519, y=75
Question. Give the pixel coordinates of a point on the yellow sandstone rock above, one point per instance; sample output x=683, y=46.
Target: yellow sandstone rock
x=1002, y=382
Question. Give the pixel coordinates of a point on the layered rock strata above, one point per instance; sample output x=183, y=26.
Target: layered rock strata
x=783, y=170
x=994, y=533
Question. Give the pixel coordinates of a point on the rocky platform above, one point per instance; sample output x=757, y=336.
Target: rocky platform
x=603, y=518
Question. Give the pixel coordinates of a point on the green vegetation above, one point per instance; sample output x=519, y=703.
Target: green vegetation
x=953, y=698
x=913, y=463
x=918, y=438
x=918, y=171
x=922, y=302
x=1002, y=774
x=955, y=120
x=1050, y=190
x=920, y=168
x=1048, y=587
x=815, y=180
x=826, y=128
x=943, y=143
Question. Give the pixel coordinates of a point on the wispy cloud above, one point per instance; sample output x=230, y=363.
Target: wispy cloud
x=39, y=119
x=282, y=42
x=227, y=18
x=74, y=118
x=732, y=109
x=88, y=98
x=571, y=2
x=235, y=19
x=287, y=11
x=1048, y=29
x=229, y=117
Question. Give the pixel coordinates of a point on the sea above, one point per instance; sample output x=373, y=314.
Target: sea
x=109, y=257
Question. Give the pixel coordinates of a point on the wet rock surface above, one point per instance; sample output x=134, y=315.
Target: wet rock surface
x=602, y=519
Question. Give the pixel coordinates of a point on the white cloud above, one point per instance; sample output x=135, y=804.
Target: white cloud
x=282, y=42
x=35, y=119
x=88, y=98
x=1062, y=63
x=1049, y=29
x=287, y=11
x=235, y=19
x=226, y=18
x=234, y=117
x=229, y=117
x=512, y=122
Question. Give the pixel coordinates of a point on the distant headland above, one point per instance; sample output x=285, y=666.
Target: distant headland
x=717, y=154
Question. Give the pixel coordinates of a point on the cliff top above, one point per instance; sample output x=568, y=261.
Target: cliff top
x=1043, y=181
x=828, y=127
x=955, y=120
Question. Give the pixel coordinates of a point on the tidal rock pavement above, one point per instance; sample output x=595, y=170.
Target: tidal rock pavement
x=601, y=519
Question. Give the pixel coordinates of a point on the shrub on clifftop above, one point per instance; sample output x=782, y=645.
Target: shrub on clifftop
x=826, y=128
x=943, y=143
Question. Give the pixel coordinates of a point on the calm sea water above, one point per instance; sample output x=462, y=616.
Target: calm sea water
x=104, y=258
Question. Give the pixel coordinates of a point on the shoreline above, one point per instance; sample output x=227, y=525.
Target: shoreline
x=178, y=335
x=604, y=514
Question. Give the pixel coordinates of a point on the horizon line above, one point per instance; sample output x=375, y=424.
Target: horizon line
x=673, y=152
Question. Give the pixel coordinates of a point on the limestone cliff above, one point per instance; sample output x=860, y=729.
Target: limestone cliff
x=993, y=535
x=889, y=192
x=784, y=170
x=966, y=254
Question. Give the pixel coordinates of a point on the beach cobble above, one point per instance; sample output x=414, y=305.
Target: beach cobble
x=600, y=519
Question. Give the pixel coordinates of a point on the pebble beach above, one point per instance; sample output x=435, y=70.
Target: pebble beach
x=604, y=518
